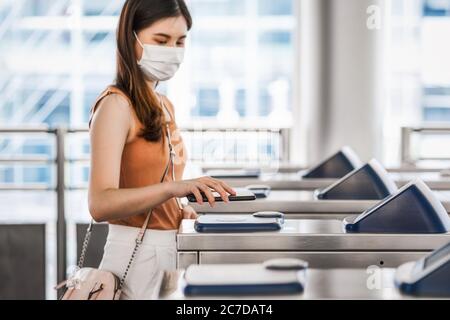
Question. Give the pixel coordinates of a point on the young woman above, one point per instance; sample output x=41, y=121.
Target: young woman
x=130, y=150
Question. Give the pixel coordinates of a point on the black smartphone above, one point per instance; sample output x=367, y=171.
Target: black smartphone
x=241, y=195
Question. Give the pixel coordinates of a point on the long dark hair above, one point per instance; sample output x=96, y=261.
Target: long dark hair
x=135, y=16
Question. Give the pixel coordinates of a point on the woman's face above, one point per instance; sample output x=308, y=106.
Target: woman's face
x=169, y=32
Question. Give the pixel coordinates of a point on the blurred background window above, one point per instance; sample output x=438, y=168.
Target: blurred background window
x=419, y=80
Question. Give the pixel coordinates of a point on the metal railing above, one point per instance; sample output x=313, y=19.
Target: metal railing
x=407, y=158
x=230, y=154
x=60, y=160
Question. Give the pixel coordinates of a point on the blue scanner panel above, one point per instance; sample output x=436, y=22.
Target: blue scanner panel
x=236, y=223
x=336, y=166
x=413, y=209
x=370, y=182
x=255, y=289
x=435, y=284
x=241, y=280
x=429, y=276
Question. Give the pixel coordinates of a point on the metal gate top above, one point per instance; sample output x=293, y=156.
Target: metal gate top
x=306, y=235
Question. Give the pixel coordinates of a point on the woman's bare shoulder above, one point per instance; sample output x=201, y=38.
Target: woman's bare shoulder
x=113, y=112
x=113, y=104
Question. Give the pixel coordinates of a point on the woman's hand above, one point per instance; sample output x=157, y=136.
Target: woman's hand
x=189, y=213
x=198, y=186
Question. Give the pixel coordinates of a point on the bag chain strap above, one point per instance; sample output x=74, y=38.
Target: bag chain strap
x=124, y=276
x=86, y=240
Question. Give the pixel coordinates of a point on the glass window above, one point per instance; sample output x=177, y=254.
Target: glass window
x=208, y=8
x=240, y=48
x=436, y=8
x=276, y=8
x=419, y=91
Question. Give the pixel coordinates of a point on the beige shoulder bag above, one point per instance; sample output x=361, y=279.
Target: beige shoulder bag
x=96, y=284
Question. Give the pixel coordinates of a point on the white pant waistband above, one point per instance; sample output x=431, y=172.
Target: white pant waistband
x=152, y=237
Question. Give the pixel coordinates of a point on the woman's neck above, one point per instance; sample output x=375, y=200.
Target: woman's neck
x=151, y=84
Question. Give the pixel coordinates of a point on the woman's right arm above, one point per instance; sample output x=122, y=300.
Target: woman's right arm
x=110, y=130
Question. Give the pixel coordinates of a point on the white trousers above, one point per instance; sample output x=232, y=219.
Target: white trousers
x=156, y=253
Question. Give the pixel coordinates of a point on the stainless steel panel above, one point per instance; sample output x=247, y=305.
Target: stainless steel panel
x=186, y=258
x=293, y=181
x=435, y=180
x=299, y=202
x=321, y=284
x=22, y=261
x=287, y=202
x=444, y=197
x=316, y=260
x=282, y=181
x=281, y=167
x=306, y=235
x=299, y=216
x=294, y=168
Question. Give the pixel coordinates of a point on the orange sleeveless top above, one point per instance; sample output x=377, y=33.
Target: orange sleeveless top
x=143, y=164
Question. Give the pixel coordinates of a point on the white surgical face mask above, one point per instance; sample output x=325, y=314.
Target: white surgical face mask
x=160, y=63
